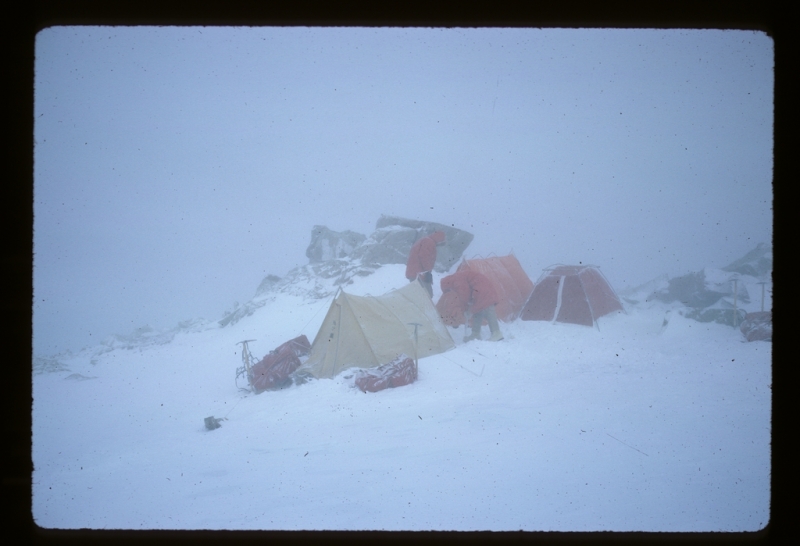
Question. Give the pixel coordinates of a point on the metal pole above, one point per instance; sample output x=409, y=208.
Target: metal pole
x=735, y=293
x=338, y=337
x=416, y=341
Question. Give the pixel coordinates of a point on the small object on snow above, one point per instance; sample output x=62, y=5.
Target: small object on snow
x=213, y=422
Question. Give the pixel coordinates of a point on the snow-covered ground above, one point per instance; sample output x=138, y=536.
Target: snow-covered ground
x=635, y=425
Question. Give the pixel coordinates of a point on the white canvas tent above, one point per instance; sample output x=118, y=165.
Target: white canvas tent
x=367, y=331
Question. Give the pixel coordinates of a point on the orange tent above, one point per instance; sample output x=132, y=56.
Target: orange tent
x=512, y=284
x=578, y=294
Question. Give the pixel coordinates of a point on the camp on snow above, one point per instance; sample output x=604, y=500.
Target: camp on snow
x=576, y=294
x=512, y=284
x=369, y=331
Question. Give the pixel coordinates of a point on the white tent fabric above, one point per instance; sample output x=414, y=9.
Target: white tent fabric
x=368, y=331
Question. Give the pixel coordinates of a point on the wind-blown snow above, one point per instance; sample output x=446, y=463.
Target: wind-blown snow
x=642, y=423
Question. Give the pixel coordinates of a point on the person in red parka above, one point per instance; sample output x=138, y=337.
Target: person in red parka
x=478, y=298
x=422, y=258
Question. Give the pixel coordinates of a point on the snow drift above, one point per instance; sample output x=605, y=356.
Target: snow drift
x=654, y=422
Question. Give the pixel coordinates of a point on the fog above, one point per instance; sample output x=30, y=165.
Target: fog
x=174, y=168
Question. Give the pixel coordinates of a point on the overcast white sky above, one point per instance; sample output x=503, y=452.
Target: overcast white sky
x=175, y=167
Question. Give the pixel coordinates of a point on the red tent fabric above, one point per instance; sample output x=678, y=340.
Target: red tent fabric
x=576, y=294
x=512, y=284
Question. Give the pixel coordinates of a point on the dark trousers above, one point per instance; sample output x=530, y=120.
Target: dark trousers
x=426, y=279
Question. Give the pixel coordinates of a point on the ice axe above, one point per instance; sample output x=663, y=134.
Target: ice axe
x=762, y=283
x=735, y=294
x=416, y=363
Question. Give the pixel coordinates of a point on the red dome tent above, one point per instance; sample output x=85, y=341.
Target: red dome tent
x=512, y=284
x=577, y=294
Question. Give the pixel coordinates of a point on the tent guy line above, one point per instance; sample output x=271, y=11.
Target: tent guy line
x=630, y=446
x=467, y=369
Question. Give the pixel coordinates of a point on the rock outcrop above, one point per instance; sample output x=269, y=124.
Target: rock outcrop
x=327, y=244
x=336, y=257
x=394, y=236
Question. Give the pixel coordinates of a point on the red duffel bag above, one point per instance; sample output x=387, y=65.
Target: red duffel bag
x=273, y=371
x=400, y=371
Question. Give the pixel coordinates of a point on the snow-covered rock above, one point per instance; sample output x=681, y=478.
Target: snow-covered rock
x=394, y=236
x=327, y=244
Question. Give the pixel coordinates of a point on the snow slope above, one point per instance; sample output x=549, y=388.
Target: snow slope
x=635, y=425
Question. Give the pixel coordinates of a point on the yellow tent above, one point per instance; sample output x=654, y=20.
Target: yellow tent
x=368, y=331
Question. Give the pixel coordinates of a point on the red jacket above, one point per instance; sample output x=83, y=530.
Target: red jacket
x=423, y=255
x=473, y=288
